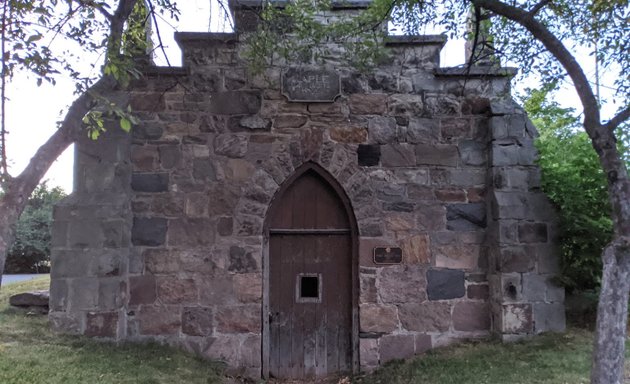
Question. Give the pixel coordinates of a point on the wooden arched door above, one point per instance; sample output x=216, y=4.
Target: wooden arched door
x=310, y=282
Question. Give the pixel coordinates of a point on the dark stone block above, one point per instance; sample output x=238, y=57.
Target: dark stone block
x=399, y=206
x=197, y=321
x=368, y=155
x=445, y=284
x=478, y=292
x=149, y=182
x=241, y=261
x=532, y=233
x=147, y=132
x=203, y=170
x=235, y=103
x=148, y=231
x=147, y=102
x=225, y=226
x=465, y=217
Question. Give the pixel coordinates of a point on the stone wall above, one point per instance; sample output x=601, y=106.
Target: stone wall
x=163, y=237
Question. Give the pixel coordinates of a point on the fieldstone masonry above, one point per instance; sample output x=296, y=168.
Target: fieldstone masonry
x=162, y=237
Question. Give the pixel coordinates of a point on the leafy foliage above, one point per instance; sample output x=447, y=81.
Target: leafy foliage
x=31, y=250
x=304, y=31
x=573, y=179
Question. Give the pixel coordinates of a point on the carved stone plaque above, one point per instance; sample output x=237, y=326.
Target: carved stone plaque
x=311, y=85
x=387, y=255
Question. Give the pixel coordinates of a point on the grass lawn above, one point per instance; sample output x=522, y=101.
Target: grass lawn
x=31, y=354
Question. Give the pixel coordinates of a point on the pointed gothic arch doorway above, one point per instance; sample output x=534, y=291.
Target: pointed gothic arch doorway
x=310, y=303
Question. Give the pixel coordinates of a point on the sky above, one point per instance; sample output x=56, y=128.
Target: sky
x=33, y=112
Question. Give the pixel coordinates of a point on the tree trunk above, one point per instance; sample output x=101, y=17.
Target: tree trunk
x=612, y=316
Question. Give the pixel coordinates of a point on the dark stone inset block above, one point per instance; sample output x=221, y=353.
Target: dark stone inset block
x=149, y=182
x=466, y=217
x=532, y=233
x=369, y=155
x=147, y=131
x=203, y=170
x=445, y=284
x=241, y=261
x=478, y=292
x=225, y=226
x=235, y=103
x=101, y=324
x=148, y=231
x=197, y=321
x=399, y=206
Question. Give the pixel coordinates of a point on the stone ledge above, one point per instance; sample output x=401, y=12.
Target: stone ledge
x=164, y=71
x=183, y=38
x=335, y=4
x=476, y=72
x=416, y=40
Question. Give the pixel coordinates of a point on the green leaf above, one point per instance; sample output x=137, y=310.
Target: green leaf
x=125, y=124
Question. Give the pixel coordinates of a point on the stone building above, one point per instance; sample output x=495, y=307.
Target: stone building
x=313, y=220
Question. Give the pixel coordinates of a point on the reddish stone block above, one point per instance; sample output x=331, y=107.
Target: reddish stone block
x=394, y=347
x=159, y=320
x=378, y=318
x=372, y=104
x=425, y=317
x=241, y=319
x=142, y=290
x=248, y=287
x=416, y=249
x=348, y=133
x=470, y=317
x=101, y=324
x=289, y=121
x=423, y=343
x=172, y=290
x=451, y=195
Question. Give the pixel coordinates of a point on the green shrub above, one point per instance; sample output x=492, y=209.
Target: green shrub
x=30, y=252
x=574, y=181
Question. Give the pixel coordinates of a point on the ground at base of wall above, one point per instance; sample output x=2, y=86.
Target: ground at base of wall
x=551, y=359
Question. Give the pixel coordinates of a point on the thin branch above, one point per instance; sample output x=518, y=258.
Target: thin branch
x=536, y=8
x=3, y=96
x=98, y=7
x=619, y=118
x=157, y=32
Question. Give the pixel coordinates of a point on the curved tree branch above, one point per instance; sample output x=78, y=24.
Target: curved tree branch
x=619, y=118
x=557, y=49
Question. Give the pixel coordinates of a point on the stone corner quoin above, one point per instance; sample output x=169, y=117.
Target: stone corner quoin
x=165, y=236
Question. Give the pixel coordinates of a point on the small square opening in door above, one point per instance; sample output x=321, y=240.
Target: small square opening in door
x=308, y=288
